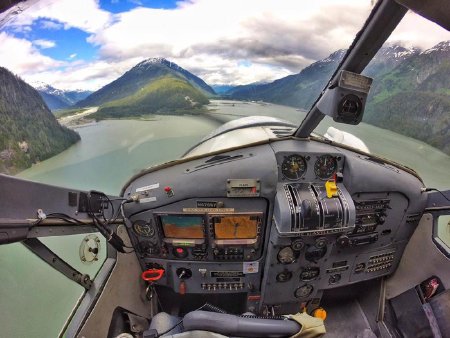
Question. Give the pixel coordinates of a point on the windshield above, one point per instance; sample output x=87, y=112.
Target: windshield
x=141, y=82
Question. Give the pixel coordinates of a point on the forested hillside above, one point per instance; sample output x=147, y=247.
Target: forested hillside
x=166, y=94
x=28, y=130
x=410, y=92
x=140, y=76
x=413, y=98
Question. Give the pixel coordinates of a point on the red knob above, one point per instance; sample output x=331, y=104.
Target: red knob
x=152, y=275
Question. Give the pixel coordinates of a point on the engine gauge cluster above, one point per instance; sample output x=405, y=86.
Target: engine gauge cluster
x=295, y=167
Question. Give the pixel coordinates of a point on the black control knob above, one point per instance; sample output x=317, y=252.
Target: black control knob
x=321, y=242
x=343, y=241
x=334, y=278
x=183, y=273
x=298, y=244
x=313, y=253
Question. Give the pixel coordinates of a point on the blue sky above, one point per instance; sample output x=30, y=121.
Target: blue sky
x=118, y=6
x=72, y=41
x=87, y=43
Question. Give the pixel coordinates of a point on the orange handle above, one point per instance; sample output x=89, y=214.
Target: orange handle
x=152, y=275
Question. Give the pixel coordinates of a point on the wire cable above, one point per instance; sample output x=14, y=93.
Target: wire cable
x=434, y=189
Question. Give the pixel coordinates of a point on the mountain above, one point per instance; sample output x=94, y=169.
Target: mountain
x=410, y=93
x=299, y=90
x=167, y=94
x=58, y=98
x=140, y=76
x=29, y=132
x=414, y=97
x=221, y=88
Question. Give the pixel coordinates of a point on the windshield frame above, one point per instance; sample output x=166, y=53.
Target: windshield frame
x=382, y=20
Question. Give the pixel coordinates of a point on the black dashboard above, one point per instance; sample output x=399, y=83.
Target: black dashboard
x=277, y=223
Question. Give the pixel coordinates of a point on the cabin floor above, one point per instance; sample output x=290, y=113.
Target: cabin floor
x=347, y=319
x=352, y=311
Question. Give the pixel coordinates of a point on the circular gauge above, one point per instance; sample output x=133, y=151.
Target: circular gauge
x=325, y=166
x=286, y=255
x=293, y=167
x=309, y=273
x=304, y=291
x=284, y=276
x=143, y=228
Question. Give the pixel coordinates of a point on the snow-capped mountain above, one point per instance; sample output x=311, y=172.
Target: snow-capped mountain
x=397, y=52
x=140, y=76
x=151, y=63
x=441, y=47
x=57, y=98
x=407, y=83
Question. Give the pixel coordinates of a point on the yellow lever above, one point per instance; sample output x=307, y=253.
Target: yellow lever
x=331, y=188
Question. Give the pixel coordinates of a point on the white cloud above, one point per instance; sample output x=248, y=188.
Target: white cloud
x=83, y=14
x=275, y=37
x=21, y=57
x=44, y=43
x=222, y=41
x=415, y=31
x=47, y=24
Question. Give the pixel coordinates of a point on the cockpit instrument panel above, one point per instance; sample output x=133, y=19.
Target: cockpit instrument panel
x=279, y=228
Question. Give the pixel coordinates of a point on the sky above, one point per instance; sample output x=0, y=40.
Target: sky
x=85, y=44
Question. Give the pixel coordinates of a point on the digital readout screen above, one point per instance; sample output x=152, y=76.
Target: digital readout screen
x=236, y=227
x=182, y=226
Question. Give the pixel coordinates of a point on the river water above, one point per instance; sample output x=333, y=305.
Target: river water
x=36, y=300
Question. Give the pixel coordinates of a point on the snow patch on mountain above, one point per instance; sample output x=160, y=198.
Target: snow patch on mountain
x=443, y=46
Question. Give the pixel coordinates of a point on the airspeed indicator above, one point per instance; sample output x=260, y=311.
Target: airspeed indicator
x=293, y=167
